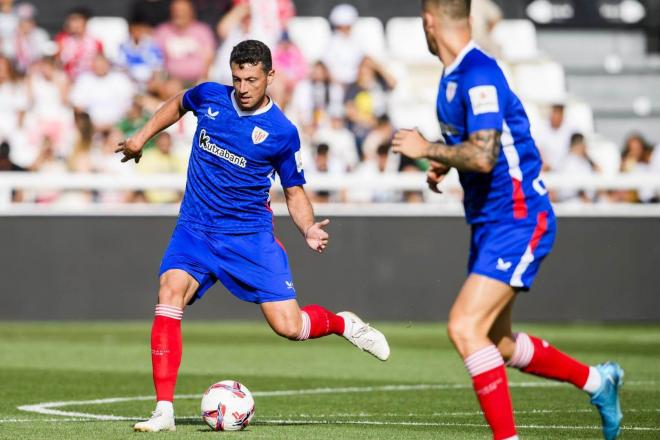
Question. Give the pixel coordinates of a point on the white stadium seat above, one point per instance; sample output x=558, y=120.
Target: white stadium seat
x=541, y=82
x=370, y=33
x=605, y=154
x=111, y=31
x=406, y=40
x=517, y=38
x=311, y=35
x=581, y=116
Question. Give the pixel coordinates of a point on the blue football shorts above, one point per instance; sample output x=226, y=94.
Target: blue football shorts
x=512, y=251
x=254, y=267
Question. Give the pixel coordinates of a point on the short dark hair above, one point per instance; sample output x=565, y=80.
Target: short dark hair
x=252, y=52
x=322, y=149
x=577, y=138
x=82, y=11
x=456, y=9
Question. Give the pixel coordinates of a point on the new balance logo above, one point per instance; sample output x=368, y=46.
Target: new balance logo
x=212, y=114
x=503, y=265
x=289, y=284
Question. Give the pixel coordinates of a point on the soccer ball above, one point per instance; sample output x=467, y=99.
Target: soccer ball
x=227, y=406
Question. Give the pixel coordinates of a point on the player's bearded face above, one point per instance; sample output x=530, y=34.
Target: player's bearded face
x=430, y=41
x=250, y=83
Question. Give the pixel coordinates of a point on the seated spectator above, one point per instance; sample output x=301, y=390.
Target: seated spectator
x=48, y=162
x=233, y=27
x=140, y=55
x=291, y=68
x=5, y=159
x=133, y=120
x=577, y=163
x=376, y=166
x=76, y=48
x=32, y=42
x=635, y=158
x=381, y=134
x=80, y=159
x=325, y=164
x=162, y=160
x=104, y=160
x=366, y=99
x=13, y=100
x=316, y=98
x=187, y=44
x=343, y=149
x=150, y=12
x=104, y=93
x=343, y=53
x=269, y=18
x=554, y=137
x=8, y=26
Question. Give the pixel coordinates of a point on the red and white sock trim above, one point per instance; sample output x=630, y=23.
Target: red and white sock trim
x=169, y=312
x=306, y=326
x=483, y=360
x=524, y=352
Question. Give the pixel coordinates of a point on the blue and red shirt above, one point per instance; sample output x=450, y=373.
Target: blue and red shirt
x=234, y=158
x=474, y=95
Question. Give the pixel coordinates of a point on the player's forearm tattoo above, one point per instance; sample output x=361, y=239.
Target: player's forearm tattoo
x=479, y=153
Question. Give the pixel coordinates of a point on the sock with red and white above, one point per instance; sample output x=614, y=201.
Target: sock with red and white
x=319, y=322
x=536, y=356
x=166, y=348
x=486, y=367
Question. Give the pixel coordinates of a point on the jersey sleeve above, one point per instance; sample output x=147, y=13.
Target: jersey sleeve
x=484, y=93
x=288, y=162
x=194, y=97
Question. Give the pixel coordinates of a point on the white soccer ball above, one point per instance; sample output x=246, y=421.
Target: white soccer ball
x=227, y=406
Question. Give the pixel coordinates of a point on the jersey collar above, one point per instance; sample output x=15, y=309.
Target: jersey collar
x=468, y=47
x=256, y=112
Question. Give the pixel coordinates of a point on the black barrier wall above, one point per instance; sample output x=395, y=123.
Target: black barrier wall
x=404, y=269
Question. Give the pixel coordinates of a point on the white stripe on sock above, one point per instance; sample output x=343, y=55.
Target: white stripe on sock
x=169, y=312
x=523, y=353
x=483, y=360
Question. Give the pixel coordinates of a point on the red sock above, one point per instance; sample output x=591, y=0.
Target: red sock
x=536, y=356
x=318, y=322
x=486, y=367
x=166, y=347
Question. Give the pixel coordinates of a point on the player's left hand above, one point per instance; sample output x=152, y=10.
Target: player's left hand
x=316, y=237
x=410, y=143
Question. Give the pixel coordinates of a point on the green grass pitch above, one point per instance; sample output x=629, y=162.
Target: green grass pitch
x=422, y=392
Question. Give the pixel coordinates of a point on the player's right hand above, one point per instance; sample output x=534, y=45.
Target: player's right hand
x=435, y=175
x=131, y=150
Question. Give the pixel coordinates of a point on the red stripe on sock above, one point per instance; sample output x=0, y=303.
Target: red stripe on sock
x=323, y=322
x=551, y=363
x=166, y=348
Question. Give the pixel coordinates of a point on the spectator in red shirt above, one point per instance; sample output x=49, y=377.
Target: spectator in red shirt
x=187, y=44
x=76, y=48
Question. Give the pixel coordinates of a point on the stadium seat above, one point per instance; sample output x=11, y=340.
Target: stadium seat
x=370, y=33
x=406, y=40
x=311, y=35
x=111, y=31
x=540, y=82
x=605, y=154
x=421, y=116
x=517, y=38
x=581, y=116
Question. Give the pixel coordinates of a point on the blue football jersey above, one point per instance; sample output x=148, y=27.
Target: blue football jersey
x=234, y=157
x=474, y=95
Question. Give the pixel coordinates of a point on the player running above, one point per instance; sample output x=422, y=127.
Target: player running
x=225, y=226
x=513, y=226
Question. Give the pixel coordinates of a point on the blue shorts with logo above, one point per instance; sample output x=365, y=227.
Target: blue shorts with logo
x=254, y=266
x=512, y=251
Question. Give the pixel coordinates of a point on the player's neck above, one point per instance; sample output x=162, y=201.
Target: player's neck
x=451, y=46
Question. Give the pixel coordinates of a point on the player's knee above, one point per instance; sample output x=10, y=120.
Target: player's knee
x=461, y=330
x=169, y=293
x=289, y=329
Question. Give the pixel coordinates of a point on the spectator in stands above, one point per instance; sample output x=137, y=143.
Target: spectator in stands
x=269, y=18
x=325, y=164
x=485, y=14
x=104, y=93
x=366, y=99
x=48, y=162
x=316, y=98
x=105, y=161
x=187, y=44
x=291, y=68
x=8, y=26
x=377, y=166
x=140, y=55
x=13, y=100
x=150, y=12
x=77, y=49
x=382, y=133
x=343, y=149
x=554, y=137
x=32, y=42
x=133, y=120
x=635, y=158
x=5, y=159
x=233, y=27
x=577, y=163
x=343, y=53
x=80, y=159
x=162, y=160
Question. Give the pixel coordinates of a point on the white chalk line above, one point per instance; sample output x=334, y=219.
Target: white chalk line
x=47, y=408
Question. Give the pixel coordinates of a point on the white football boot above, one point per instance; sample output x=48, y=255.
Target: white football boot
x=160, y=421
x=365, y=337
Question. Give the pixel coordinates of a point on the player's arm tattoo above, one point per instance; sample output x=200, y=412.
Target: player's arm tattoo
x=479, y=153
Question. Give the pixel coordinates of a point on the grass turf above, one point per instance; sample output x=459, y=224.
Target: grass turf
x=47, y=362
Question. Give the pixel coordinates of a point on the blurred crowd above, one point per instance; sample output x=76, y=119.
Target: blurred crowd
x=65, y=101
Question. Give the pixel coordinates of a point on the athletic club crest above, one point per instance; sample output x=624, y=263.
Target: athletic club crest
x=451, y=90
x=258, y=135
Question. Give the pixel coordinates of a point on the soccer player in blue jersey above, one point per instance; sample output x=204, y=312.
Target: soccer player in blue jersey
x=487, y=139
x=225, y=226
